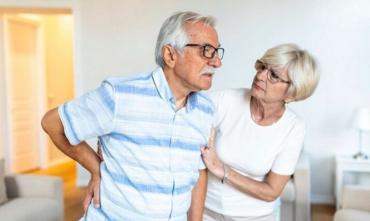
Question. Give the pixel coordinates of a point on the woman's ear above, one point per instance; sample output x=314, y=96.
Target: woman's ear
x=290, y=95
x=288, y=100
x=169, y=56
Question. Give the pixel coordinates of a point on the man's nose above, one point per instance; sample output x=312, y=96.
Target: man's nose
x=215, y=62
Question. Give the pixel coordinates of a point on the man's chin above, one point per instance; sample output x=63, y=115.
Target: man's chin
x=206, y=86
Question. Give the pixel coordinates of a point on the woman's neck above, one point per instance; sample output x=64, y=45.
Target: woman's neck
x=264, y=113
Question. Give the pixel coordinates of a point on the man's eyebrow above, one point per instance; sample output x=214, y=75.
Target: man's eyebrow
x=219, y=45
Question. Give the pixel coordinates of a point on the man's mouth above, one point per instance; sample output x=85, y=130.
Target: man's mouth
x=208, y=74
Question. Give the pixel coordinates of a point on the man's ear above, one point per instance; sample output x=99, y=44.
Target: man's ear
x=169, y=55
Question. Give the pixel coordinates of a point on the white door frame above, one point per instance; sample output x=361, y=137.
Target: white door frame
x=40, y=87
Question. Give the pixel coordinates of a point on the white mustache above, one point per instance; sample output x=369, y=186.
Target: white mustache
x=208, y=70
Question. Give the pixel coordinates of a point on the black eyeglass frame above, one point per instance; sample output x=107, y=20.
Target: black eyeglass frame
x=205, y=46
x=271, y=74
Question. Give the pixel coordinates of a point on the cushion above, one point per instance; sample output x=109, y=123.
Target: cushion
x=351, y=215
x=30, y=209
x=3, y=197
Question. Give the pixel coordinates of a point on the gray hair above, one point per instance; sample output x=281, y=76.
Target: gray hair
x=173, y=33
x=301, y=67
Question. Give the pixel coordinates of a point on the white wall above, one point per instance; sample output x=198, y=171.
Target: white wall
x=117, y=37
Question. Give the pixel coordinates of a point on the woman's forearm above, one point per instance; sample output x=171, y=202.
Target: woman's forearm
x=258, y=189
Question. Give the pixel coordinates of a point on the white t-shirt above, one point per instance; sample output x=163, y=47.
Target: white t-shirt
x=250, y=149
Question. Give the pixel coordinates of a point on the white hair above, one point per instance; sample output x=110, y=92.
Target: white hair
x=173, y=33
x=301, y=66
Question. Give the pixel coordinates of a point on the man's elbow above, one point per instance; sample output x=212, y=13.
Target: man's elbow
x=47, y=121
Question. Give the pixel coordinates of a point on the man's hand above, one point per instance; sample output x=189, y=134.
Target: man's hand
x=93, y=188
x=93, y=193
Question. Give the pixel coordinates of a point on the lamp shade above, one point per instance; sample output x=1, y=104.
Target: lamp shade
x=361, y=118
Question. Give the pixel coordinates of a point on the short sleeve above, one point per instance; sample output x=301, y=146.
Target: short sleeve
x=217, y=99
x=90, y=115
x=286, y=160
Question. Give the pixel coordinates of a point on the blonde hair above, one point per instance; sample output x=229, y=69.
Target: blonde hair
x=301, y=67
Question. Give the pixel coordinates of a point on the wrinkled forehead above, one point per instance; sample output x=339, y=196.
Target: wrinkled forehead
x=201, y=33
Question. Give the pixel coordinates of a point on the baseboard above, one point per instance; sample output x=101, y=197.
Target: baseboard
x=322, y=199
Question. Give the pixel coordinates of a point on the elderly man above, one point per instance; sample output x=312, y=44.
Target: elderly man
x=150, y=128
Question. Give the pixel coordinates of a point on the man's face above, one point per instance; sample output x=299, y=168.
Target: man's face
x=192, y=67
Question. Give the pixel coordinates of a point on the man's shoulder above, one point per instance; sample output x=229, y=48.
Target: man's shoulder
x=132, y=79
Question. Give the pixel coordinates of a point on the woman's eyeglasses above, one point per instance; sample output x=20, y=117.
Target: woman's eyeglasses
x=271, y=75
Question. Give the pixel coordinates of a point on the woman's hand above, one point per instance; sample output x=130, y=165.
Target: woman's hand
x=210, y=158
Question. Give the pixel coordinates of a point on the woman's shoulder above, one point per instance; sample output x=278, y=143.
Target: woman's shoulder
x=294, y=119
x=230, y=93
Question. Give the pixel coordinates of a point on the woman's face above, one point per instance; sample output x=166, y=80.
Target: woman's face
x=270, y=85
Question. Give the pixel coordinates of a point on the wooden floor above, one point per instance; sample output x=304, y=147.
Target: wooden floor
x=73, y=195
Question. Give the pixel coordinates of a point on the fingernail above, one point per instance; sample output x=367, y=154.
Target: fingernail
x=97, y=205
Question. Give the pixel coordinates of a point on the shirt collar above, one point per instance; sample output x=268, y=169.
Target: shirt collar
x=161, y=84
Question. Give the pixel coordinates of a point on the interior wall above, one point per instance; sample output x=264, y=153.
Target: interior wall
x=118, y=38
x=58, y=30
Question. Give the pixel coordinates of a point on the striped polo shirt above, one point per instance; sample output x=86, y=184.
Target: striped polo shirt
x=151, y=151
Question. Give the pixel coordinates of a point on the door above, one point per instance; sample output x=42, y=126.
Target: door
x=23, y=55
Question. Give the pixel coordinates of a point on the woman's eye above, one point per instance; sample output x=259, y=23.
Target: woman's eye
x=273, y=75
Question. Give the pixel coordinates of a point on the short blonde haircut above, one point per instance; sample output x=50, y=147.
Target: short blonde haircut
x=301, y=67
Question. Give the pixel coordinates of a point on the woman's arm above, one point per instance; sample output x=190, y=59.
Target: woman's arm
x=267, y=190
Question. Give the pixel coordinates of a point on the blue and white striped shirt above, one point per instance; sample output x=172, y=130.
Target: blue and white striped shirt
x=151, y=151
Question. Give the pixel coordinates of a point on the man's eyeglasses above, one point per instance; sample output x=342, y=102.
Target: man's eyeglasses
x=208, y=50
x=271, y=75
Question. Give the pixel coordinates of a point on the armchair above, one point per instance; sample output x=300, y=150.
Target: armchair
x=355, y=204
x=296, y=201
x=32, y=197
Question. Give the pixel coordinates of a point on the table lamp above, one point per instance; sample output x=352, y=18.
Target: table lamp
x=361, y=122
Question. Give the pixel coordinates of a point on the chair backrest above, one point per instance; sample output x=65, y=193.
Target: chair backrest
x=3, y=196
x=356, y=197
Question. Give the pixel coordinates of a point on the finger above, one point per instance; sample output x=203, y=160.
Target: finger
x=96, y=198
x=202, y=150
x=86, y=201
x=211, y=139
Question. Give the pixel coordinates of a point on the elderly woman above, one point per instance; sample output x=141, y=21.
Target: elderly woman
x=258, y=139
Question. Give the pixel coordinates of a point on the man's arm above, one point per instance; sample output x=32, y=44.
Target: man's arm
x=82, y=153
x=198, y=197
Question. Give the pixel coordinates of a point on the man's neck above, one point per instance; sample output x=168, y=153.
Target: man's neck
x=179, y=91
